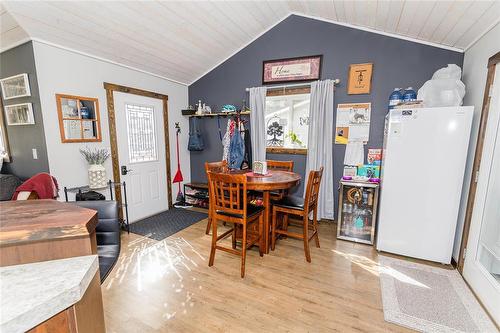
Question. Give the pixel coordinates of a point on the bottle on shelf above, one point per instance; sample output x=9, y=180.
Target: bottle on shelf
x=395, y=98
x=409, y=95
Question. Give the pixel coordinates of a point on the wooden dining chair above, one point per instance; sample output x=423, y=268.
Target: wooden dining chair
x=214, y=167
x=303, y=208
x=282, y=166
x=228, y=203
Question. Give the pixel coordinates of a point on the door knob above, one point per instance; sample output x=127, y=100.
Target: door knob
x=125, y=170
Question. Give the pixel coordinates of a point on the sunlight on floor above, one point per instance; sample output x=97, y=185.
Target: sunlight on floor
x=376, y=269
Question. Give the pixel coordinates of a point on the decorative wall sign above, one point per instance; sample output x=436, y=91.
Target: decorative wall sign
x=292, y=70
x=19, y=114
x=360, y=79
x=15, y=86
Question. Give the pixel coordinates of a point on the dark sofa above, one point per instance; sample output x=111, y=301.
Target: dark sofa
x=107, y=233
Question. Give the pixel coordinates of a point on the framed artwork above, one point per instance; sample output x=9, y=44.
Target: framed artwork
x=300, y=69
x=15, y=86
x=360, y=79
x=19, y=114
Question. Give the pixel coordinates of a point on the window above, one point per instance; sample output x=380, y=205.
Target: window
x=287, y=121
x=141, y=133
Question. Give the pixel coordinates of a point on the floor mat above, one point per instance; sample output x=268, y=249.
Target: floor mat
x=429, y=299
x=167, y=223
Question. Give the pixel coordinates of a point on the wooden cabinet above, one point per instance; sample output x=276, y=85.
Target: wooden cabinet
x=86, y=316
x=79, y=119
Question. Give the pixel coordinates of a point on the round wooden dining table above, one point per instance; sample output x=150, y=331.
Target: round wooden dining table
x=274, y=181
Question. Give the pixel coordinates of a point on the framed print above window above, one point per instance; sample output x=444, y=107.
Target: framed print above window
x=288, y=70
x=19, y=114
x=15, y=86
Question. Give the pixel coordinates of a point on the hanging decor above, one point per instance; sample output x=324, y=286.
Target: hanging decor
x=300, y=69
x=275, y=133
x=360, y=79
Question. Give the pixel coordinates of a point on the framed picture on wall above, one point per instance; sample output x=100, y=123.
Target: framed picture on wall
x=360, y=79
x=300, y=69
x=19, y=114
x=15, y=86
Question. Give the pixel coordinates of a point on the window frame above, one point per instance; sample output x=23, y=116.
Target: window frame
x=271, y=92
x=3, y=129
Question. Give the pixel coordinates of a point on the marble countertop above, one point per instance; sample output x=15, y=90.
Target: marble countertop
x=32, y=293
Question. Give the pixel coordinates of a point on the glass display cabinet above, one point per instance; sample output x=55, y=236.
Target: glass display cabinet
x=357, y=215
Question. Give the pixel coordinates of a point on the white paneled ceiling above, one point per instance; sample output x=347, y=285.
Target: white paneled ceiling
x=10, y=31
x=182, y=40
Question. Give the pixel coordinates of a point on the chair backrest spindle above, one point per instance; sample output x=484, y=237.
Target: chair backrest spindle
x=312, y=190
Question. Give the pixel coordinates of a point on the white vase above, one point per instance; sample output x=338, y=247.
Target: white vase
x=97, y=176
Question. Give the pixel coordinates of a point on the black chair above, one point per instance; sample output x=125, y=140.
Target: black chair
x=107, y=233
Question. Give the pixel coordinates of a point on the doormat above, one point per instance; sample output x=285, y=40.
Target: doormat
x=166, y=223
x=429, y=299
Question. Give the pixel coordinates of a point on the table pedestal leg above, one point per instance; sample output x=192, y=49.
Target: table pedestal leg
x=267, y=214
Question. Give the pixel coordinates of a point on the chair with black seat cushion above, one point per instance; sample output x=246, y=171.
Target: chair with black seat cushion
x=301, y=207
x=107, y=233
x=228, y=203
x=213, y=167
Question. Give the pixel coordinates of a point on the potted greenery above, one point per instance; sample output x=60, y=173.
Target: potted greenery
x=294, y=138
x=97, y=172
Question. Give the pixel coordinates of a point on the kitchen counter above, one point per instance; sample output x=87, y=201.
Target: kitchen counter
x=33, y=293
x=41, y=230
x=28, y=221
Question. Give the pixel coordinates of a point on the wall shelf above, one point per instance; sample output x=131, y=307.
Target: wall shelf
x=78, y=118
x=219, y=114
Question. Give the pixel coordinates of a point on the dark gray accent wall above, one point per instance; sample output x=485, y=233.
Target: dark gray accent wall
x=397, y=63
x=23, y=139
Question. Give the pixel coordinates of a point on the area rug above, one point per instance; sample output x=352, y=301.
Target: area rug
x=166, y=223
x=429, y=299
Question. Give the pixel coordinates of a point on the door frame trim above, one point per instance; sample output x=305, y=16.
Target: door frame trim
x=492, y=63
x=110, y=89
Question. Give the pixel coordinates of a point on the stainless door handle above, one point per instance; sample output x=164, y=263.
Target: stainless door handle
x=125, y=170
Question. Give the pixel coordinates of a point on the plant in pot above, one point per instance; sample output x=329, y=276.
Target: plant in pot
x=294, y=138
x=97, y=172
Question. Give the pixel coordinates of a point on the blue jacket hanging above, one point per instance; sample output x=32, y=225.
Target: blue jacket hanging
x=236, y=150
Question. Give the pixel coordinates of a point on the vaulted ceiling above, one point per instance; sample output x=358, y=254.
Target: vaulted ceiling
x=183, y=40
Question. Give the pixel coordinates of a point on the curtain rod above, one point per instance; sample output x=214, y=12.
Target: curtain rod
x=336, y=81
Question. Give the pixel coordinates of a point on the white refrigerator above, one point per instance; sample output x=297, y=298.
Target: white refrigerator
x=423, y=167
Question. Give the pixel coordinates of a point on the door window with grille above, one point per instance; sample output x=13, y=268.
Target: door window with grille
x=141, y=133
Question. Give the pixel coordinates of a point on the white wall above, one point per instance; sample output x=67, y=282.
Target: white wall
x=67, y=72
x=474, y=76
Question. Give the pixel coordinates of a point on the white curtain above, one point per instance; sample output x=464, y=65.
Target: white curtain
x=257, y=123
x=320, y=143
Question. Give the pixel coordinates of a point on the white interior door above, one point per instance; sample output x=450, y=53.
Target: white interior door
x=141, y=150
x=482, y=260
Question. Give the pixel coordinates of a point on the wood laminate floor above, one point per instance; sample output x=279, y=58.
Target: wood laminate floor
x=167, y=286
